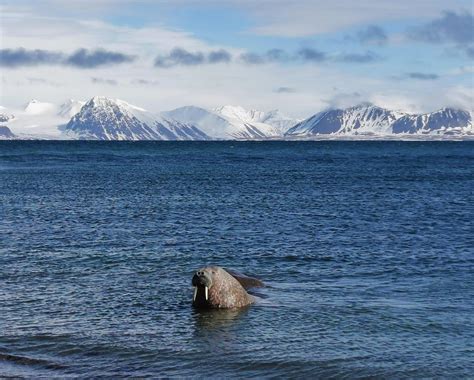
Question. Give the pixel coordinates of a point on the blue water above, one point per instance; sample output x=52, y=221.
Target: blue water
x=366, y=248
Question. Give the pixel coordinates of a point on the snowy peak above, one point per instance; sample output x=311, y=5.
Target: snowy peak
x=104, y=102
x=35, y=107
x=446, y=121
x=100, y=103
x=103, y=118
x=39, y=119
x=236, y=112
x=273, y=117
x=361, y=119
x=278, y=120
x=69, y=108
x=6, y=133
x=443, y=121
x=367, y=119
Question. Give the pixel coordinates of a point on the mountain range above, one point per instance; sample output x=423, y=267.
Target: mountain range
x=103, y=118
x=376, y=121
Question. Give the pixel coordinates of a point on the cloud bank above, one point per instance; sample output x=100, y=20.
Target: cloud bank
x=81, y=58
x=182, y=57
x=452, y=27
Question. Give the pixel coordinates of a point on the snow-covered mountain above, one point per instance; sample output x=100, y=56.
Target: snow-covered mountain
x=109, y=119
x=102, y=118
x=6, y=134
x=39, y=119
x=234, y=122
x=35, y=107
x=447, y=121
x=278, y=120
x=366, y=119
x=373, y=120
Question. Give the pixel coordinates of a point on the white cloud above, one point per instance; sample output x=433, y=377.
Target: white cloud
x=52, y=33
x=311, y=17
x=462, y=97
x=427, y=99
x=275, y=17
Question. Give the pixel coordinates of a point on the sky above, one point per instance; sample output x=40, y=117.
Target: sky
x=299, y=56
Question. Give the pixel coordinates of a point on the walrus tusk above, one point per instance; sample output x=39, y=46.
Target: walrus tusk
x=205, y=291
x=195, y=293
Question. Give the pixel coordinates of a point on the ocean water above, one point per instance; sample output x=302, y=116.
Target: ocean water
x=366, y=248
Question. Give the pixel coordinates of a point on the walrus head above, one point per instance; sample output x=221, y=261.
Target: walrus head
x=214, y=287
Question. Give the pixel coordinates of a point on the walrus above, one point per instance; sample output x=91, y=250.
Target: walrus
x=218, y=288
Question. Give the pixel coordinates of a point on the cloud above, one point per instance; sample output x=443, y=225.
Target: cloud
x=422, y=76
x=82, y=58
x=460, y=96
x=284, y=90
x=144, y=82
x=450, y=27
x=311, y=55
x=182, y=57
x=22, y=57
x=272, y=55
x=372, y=34
x=462, y=70
x=86, y=59
x=306, y=55
x=366, y=57
x=312, y=17
x=252, y=58
x=179, y=56
x=219, y=56
x=344, y=100
x=277, y=55
x=415, y=75
x=470, y=51
x=268, y=17
x=42, y=81
x=109, y=82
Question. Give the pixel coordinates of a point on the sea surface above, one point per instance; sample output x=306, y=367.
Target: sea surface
x=366, y=248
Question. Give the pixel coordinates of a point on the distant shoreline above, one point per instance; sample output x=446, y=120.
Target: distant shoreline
x=288, y=139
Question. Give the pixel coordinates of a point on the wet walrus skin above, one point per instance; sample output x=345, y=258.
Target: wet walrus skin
x=217, y=288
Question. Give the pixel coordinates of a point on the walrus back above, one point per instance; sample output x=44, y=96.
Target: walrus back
x=244, y=280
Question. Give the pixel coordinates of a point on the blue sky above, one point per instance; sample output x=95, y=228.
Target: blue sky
x=298, y=56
